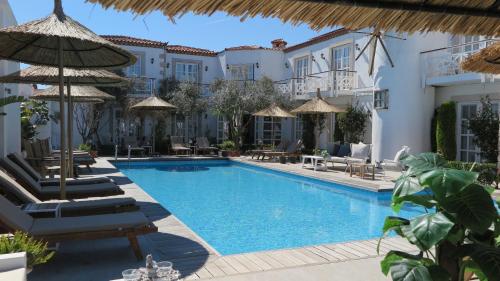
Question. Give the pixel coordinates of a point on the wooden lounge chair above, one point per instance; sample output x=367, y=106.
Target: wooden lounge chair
x=295, y=149
x=21, y=162
x=178, y=146
x=260, y=152
x=203, y=145
x=60, y=229
x=53, y=191
x=43, y=151
x=66, y=208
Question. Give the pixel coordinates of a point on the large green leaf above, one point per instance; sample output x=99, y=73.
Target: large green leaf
x=487, y=259
x=409, y=270
x=392, y=223
x=394, y=256
x=418, y=164
x=427, y=230
x=445, y=182
x=438, y=273
x=406, y=185
x=473, y=207
x=426, y=201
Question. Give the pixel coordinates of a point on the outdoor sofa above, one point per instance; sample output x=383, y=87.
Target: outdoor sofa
x=350, y=153
x=58, y=229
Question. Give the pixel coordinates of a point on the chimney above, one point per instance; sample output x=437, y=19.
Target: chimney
x=279, y=43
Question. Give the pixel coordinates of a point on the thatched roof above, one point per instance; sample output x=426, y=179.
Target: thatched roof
x=37, y=42
x=274, y=111
x=455, y=16
x=487, y=60
x=153, y=103
x=50, y=76
x=77, y=93
x=317, y=105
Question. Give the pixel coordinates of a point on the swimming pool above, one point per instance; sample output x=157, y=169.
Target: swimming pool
x=239, y=208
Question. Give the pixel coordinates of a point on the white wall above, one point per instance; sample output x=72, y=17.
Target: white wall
x=10, y=124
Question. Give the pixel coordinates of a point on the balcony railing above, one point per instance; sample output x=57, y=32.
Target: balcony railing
x=141, y=86
x=330, y=83
x=446, y=61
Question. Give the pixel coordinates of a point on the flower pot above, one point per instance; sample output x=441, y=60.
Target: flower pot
x=224, y=153
x=93, y=153
x=234, y=153
x=282, y=159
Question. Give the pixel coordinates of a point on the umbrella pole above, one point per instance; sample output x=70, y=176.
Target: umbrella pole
x=70, y=130
x=62, y=167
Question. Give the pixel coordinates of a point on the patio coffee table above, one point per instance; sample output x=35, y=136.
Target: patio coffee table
x=318, y=162
x=363, y=169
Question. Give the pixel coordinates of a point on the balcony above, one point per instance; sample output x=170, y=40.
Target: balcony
x=330, y=83
x=441, y=67
x=141, y=86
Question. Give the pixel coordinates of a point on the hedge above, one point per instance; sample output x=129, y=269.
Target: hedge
x=487, y=171
x=445, y=131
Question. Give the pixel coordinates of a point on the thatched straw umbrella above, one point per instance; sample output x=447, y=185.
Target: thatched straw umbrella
x=487, y=60
x=58, y=40
x=459, y=17
x=317, y=106
x=274, y=111
x=154, y=105
x=50, y=76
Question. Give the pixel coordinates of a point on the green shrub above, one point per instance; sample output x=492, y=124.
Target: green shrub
x=433, y=131
x=484, y=126
x=487, y=171
x=445, y=131
x=36, y=251
x=85, y=147
x=353, y=123
x=227, y=145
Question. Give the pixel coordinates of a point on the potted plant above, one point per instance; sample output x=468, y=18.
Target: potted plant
x=227, y=148
x=87, y=148
x=36, y=251
x=458, y=233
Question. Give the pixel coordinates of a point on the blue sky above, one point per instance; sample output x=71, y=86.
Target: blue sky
x=215, y=32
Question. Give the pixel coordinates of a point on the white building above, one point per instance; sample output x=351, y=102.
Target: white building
x=10, y=124
x=401, y=98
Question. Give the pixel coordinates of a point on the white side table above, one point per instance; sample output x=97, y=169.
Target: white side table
x=318, y=162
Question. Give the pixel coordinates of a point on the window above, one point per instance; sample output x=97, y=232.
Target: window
x=222, y=129
x=136, y=69
x=342, y=58
x=381, y=99
x=469, y=152
x=301, y=67
x=465, y=44
x=187, y=72
x=299, y=127
x=241, y=72
x=268, y=130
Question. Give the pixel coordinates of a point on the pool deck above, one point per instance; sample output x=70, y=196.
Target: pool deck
x=195, y=259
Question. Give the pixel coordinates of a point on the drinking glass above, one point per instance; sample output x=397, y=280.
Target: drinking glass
x=163, y=268
x=131, y=275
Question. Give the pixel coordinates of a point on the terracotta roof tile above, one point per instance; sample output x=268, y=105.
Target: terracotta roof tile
x=131, y=41
x=179, y=49
x=248, y=47
x=318, y=39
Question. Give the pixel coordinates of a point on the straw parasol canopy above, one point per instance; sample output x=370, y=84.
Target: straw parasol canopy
x=153, y=104
x=78, y=93
x=274, y=111
x=50, y=76
x=487, y=60
x=37, y=42
x=459, y=17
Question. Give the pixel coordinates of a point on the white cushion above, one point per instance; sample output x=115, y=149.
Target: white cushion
x=360, y=150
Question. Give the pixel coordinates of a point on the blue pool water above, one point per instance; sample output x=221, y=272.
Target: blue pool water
x=240, y=208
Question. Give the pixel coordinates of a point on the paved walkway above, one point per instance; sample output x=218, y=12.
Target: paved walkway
x=105, y=259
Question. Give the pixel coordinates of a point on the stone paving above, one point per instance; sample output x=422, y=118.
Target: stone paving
x=105, y=259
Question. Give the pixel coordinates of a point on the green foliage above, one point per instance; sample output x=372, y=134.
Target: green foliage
x=308, y=136
x=353, y=123
x=487, y=171
x=85, y=147
x=188, y=99
x=227, y=145
x=338, y=134
x=36, y=251
x=433, y=131
x=461, y=224
x=33, y=114
x=445, y=131
x=484, y=126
